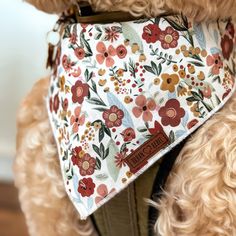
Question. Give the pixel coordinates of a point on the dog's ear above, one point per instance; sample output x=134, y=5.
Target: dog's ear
x=51, y=6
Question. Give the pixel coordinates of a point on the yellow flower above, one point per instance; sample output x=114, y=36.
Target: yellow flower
x=127, y=99
x=177, y=51
x=112, y=78
x=169, y=82
x=101, y=72
x=135, y=47
x=88, y=124
x=157, y=81
x=197, y=50
x=191, y=69
x=86, y=131
x=186, y=53
x=175, y=67
x=102, y=82
x=106, y=89
x=128, y=174
x=116, y=83
x=183, y=48
x=120, y=72
x=182, y=74
x=201, y=76
x=97, y=125
x=117, y=88
x=142, y=58
x=62, y=83
x=182, y=91
x=195, y=110
x=82, y=137
x=81, y=153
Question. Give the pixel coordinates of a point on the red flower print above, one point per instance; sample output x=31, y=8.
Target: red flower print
x=79, y=91
x=144, y=108
x=86, y=187
x=113, y=117
x=120, y=160
x=171, y=113
x=77, y=153
x=105, y=54
x=111, y=34
x=51, y=104
x=73, y=38
x=77, y=119
x=226, y=94
x=65, y=104
x=86, y=165
x=216, y=63
x=151, y=33
x=169, y=38
x=206, y=92
x=121, y=51
x=80, y=53
x=128, y=134
x=230, y=29
x=56, y=103
x=102, y=192
x=227, y=46
x=66, y=63
x=192, y=123
x=157, y=128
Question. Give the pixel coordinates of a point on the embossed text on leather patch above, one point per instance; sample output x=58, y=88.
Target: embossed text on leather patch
x=139, y=157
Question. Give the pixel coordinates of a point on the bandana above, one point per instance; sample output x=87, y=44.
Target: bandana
x=124, y=94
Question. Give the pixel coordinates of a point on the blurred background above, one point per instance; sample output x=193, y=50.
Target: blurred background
x=23, y=53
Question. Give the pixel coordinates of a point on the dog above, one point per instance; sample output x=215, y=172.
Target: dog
x=199, y=194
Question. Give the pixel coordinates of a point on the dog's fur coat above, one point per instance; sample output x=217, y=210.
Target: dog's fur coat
x=200, y=192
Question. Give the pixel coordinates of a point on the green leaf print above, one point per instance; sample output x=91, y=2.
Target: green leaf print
x=111, y=165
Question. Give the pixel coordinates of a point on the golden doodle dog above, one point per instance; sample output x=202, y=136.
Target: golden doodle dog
x=200, y=192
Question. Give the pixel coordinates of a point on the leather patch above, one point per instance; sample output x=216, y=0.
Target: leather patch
x=139, y=157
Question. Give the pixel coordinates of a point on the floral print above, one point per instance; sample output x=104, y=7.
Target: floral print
x=144, y=108
x=113, y=117
x=169, y=38
x=151, y=33
x=105, y=54
x=86, y=187
x=171, y=113
x=169, y=81
x=77, y=119
x=117, y=86
x=216, y=63
x=102, y=193
x=86, y=165
x=79, y=92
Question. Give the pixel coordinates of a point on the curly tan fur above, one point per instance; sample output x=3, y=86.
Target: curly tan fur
x=42, y=195
x=200, y=193
x=198, y=9
x=201, y=190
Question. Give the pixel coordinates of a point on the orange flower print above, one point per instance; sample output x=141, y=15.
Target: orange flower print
x=77, y=119
x=105, y=54
x=216, y=63
x=169, y=82
x=144, y=108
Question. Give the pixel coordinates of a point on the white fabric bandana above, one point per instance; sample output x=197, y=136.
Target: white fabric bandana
x=124, y=94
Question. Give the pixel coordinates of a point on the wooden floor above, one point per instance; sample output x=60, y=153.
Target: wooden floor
x=12, y=222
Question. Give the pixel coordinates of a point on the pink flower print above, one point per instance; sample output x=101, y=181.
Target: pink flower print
x=105, y=54
x=102, y=192
x=144, y=108
x=216, y=63
x=77, y=119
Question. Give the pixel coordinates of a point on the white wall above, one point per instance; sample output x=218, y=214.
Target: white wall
x=23, y=52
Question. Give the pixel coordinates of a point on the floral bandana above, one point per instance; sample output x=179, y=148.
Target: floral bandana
x=123, y=94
